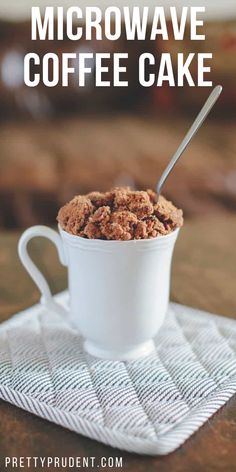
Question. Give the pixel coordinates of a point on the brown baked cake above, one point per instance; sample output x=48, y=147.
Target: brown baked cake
x=120, y=214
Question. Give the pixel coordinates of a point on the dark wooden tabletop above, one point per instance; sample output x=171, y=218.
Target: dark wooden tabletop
x=204, y=272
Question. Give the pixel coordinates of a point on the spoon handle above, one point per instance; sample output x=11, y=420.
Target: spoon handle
x=191, y=132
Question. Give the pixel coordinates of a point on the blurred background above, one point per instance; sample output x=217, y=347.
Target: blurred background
x=56, y=142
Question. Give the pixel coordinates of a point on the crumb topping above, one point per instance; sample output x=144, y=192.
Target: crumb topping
x=120, y=214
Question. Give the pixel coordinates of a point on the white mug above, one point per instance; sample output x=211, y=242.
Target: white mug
x=119, y=290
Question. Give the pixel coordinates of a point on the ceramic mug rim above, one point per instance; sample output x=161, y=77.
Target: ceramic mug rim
x=165, y=238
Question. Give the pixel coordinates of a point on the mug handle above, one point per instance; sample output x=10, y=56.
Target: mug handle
x=42, y=231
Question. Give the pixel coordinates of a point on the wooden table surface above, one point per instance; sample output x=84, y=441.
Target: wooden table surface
x=203, y=276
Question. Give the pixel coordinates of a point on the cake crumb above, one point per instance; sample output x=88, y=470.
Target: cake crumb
x=120, y=214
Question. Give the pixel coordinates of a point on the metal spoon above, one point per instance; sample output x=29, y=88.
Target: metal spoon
x=192, y=131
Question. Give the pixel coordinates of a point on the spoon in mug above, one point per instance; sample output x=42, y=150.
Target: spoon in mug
x=210, y=102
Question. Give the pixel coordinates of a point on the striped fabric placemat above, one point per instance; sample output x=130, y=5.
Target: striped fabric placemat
x=147, y=406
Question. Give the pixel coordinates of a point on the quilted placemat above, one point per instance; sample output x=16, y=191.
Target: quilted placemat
x=148, y=406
